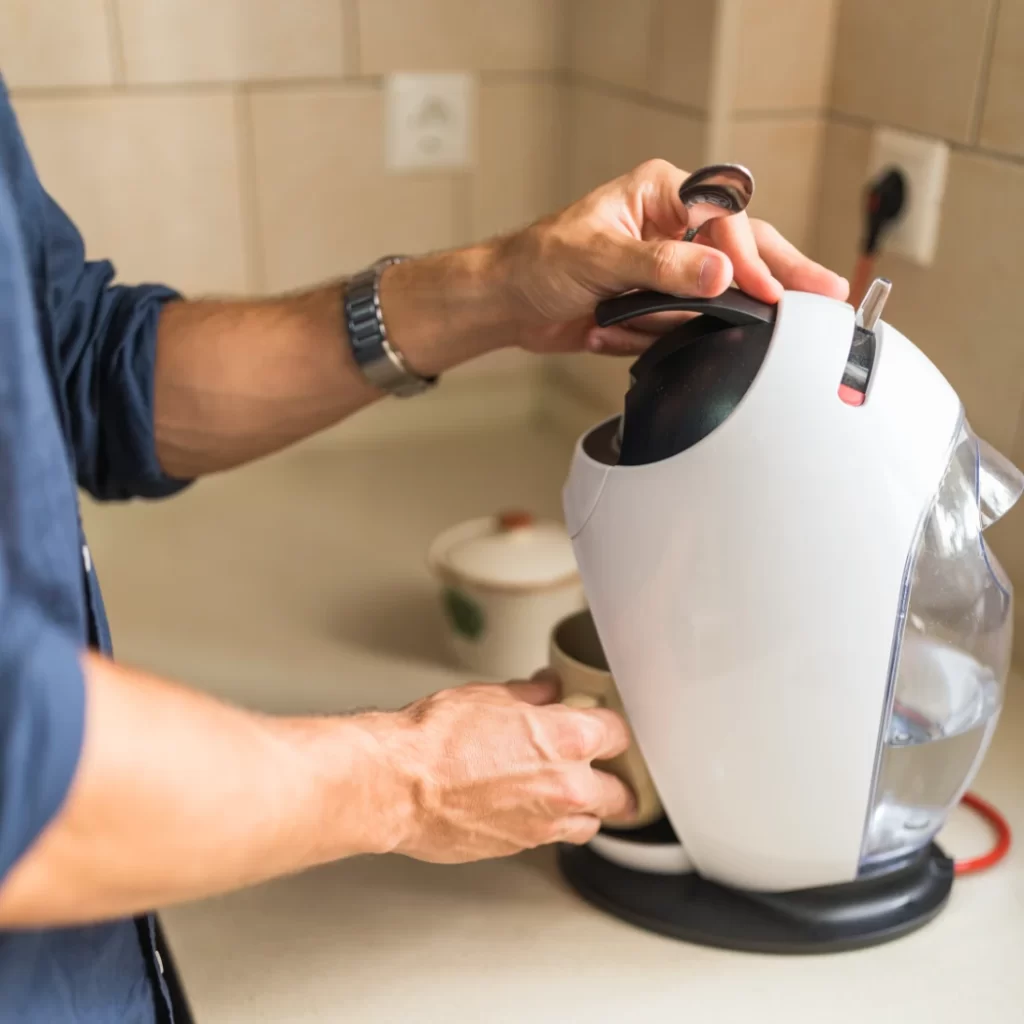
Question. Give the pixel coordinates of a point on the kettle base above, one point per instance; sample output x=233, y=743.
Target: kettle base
x=869, y=911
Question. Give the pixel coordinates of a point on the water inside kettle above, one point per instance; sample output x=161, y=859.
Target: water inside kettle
x=932, y=749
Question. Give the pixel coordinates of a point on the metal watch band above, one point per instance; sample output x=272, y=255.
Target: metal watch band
x=380, y=362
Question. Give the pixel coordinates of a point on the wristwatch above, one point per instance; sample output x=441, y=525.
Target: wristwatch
x=380, y=362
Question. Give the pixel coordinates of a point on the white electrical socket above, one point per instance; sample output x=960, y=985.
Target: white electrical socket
x=429, y=121
x=922, y=162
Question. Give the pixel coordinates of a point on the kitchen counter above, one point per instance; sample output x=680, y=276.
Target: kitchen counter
x=299, y=585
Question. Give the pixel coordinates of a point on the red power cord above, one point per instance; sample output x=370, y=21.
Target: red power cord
x=999, y=825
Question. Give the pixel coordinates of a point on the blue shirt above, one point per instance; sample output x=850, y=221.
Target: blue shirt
x=76, y=381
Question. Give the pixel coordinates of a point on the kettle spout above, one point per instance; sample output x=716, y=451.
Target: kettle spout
x=1000, y=484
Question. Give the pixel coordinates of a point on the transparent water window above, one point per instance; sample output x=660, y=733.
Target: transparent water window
x=952, y=659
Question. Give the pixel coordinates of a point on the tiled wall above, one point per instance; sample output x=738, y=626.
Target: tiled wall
x=228, y=146
x=953, y=70
x=694, y=81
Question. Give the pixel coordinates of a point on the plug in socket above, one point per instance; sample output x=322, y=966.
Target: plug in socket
x=923, y=164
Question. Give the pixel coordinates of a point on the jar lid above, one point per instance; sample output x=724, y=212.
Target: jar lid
x=509, y=550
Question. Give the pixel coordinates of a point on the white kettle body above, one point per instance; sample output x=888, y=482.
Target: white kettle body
x=792, y=588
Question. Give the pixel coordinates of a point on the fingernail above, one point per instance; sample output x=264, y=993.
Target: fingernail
x=595, y=343
x=708, y=269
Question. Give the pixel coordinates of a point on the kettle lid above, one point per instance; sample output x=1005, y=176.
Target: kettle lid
x=690, y=380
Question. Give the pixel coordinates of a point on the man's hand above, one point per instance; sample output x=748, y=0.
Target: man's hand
x=488, y=771
x=626, y=235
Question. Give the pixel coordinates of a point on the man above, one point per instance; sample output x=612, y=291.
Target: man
x=120, y=792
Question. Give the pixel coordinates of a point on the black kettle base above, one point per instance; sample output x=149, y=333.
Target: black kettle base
x=867, y=912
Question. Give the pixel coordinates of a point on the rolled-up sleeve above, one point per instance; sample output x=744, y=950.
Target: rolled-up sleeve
x=101, y=336
x=105, y=335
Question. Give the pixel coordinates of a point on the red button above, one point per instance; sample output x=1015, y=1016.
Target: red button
x=851, y=396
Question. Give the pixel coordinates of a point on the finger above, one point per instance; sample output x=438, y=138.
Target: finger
x=618, y=341
x=658, y=324
x=590, y=735
x=543, y=688
x=679, y=268
x=578, y=829
x=792, y=268
x=734, y=236
x=614, y=798
x=653, y=191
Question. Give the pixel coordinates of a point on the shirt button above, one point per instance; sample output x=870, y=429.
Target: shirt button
x=86, y=558
x=159, y=961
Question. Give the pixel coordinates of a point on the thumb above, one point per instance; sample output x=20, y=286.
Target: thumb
x=679, y=268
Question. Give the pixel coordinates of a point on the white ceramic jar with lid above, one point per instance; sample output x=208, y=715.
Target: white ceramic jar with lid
x=506, y=581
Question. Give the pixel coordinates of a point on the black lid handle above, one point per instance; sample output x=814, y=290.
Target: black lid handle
x=732, y=307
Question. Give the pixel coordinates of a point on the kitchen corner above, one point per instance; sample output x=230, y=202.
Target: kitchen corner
x=300, y=585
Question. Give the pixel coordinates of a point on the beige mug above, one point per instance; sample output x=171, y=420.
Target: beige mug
x=579, y=661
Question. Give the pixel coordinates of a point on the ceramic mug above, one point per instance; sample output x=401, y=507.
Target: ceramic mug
x=578, y=659
x=505, y=582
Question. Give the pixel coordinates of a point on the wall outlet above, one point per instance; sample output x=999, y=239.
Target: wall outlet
x=922, y=162
x=429, y=121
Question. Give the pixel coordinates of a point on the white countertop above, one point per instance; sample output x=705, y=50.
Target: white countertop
x=299, y=585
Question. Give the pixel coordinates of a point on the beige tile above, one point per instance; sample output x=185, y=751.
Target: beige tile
x=602, y=381
x=640, y=133
x=457, y=35
x=594, y=118
x=325, y=206
x=784, y=54
x=784, y=155
x=838, y=217
x=520, y=154
x=682, y=45
x=152, y=182
x=963, y=311
x=54, y=42
x=1002, y=125
x=677, y=138
x=230, y=40
x=611, y=40
x=913, y=63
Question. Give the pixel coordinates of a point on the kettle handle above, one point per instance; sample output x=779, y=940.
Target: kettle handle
x=732, y=307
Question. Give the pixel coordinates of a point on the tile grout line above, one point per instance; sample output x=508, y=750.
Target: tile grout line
x=984, y=74
x=636, y=96
x=655, y=46
x=723, y=48
x=262, y=84
x=778, y=114
x=856, y=121
x=351, y=48
x=115, y=37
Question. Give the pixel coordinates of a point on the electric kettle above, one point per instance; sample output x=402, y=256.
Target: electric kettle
x=781, y=541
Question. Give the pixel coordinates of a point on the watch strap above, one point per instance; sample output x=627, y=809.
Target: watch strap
x=378, y=360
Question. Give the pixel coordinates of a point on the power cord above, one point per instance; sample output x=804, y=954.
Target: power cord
x=1003, y=836
x=885, y=198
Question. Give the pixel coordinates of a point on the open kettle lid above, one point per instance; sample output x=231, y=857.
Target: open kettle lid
x=513, y=549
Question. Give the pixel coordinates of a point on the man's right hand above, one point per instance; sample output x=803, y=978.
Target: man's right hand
x=489, y=770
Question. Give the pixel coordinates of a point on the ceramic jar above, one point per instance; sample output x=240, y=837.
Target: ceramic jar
x=506, y=581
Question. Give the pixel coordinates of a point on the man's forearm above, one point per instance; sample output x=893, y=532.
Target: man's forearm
x=237, y=380
x=178, y=796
